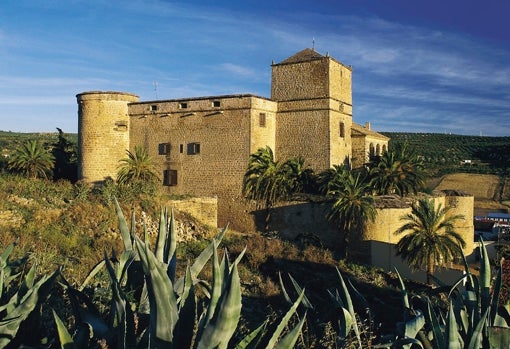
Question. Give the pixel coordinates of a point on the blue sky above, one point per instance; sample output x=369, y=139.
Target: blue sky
x=418, y=66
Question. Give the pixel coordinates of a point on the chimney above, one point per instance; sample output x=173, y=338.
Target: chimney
x=367, y=125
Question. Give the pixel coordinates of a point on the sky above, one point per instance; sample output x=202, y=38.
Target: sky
x=439, y=66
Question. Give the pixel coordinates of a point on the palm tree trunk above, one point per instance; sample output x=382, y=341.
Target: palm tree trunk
x=268, y=216
x=430, y=269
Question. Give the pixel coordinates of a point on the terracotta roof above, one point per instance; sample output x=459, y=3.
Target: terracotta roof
x=305, y=55
x=358, y=130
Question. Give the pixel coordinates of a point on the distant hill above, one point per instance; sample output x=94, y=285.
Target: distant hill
x=447, y=153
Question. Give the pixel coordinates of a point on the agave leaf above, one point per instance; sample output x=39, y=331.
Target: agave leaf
x=247, y=341
x=123, y=227
x=452, y=333
x=485, y=277
x=414, y=325
x=222, y=326
x=27, y=304
x=217, y=287
x=290, y=339
x=299, y=289
x=162, y=237
x=65, y=339
x=163, y=305
x=284, y=290
x=469, y=277
x=496, y=289
x=499, y=337
x=171, y=248
x=436, y=327
x=187, y=314
x=123, y=314
x=475, y=340
x=92, y=273
x=200, y=262
x=359, y=298
x=283, y=323
x=405, y=297
x=400, y=343
x=347, y=301
x=345, y=323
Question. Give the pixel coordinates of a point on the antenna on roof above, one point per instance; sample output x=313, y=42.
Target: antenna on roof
x=313, y=44
x=156, y=88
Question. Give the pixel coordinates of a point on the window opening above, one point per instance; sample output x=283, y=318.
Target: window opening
x=170, y=177
x=193, y=148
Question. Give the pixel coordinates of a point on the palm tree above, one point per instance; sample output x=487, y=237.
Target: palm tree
x=397, y=171
x=430, y=239
x=137, y=167
x=353, y=207
x=269, y=181
x=32, y=159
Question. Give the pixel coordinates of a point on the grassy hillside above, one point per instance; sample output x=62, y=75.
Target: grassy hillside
x=443, y=153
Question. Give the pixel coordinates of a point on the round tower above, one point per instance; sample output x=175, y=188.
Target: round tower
x=103, y=133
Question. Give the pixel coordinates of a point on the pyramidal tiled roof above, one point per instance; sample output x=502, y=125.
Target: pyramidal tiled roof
x=305, y=55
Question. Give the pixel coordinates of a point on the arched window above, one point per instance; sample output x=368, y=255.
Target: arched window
x=372, y=150
x=378, y=150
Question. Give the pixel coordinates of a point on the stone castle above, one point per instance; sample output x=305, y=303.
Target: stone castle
x=202, y=145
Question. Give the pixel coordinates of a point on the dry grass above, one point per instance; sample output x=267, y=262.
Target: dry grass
x=481, y=186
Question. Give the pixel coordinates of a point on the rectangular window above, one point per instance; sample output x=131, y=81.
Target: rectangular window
x=164, y=148
x=193, y=148
x=153, y=107
x=181, y=148
x=262, y=119
x=342, y=129
x=183, y=105
x=170, y=177
x=216, y=104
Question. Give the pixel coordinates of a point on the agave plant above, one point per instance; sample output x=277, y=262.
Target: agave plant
x=167, y=315
x=20, y=299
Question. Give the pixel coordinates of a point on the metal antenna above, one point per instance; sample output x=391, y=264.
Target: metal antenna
x=313, y=44
x=156, y=88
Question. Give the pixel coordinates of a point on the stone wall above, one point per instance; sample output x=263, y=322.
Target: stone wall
x=227, y=130
x=103, y=133
x=203, y=209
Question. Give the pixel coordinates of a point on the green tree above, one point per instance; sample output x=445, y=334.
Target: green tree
x=353, y=205
x=430, y=238
x=65, y=153
x=32, y=159
x=397, y=171
x=138, y=167
x=269, y=181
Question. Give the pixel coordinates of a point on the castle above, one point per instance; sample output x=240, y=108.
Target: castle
x=202, y=144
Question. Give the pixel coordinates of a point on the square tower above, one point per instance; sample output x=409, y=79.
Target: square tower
x=314, y=95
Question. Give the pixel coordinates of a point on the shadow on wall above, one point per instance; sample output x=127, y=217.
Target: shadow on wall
x=296, y=221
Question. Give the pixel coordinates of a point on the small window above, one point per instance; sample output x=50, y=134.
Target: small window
x=216, y=104
x=262, y=119
x=342, y=130
x=153, y=107
x=164, y=148
x=193, y=148
x=183, y=105
x=170, y=177
x=181, y=148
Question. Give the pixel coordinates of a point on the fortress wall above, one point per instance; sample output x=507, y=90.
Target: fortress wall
x=340, y=141
x=103, y=133
x=298, y=81
x=359, y=151
x=204, y=209
x=225, y=144
x=340, y=82
x=262, y=125
x=310, y=140
x=388, y=220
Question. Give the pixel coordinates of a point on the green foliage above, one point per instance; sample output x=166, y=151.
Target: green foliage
x=398, y=171
x=269, y=181
x=169, y=306
x=65, y=153
x=138, y=167
x=31, y=159
x=431, y=238
x=20, y=299
x=353, y=205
